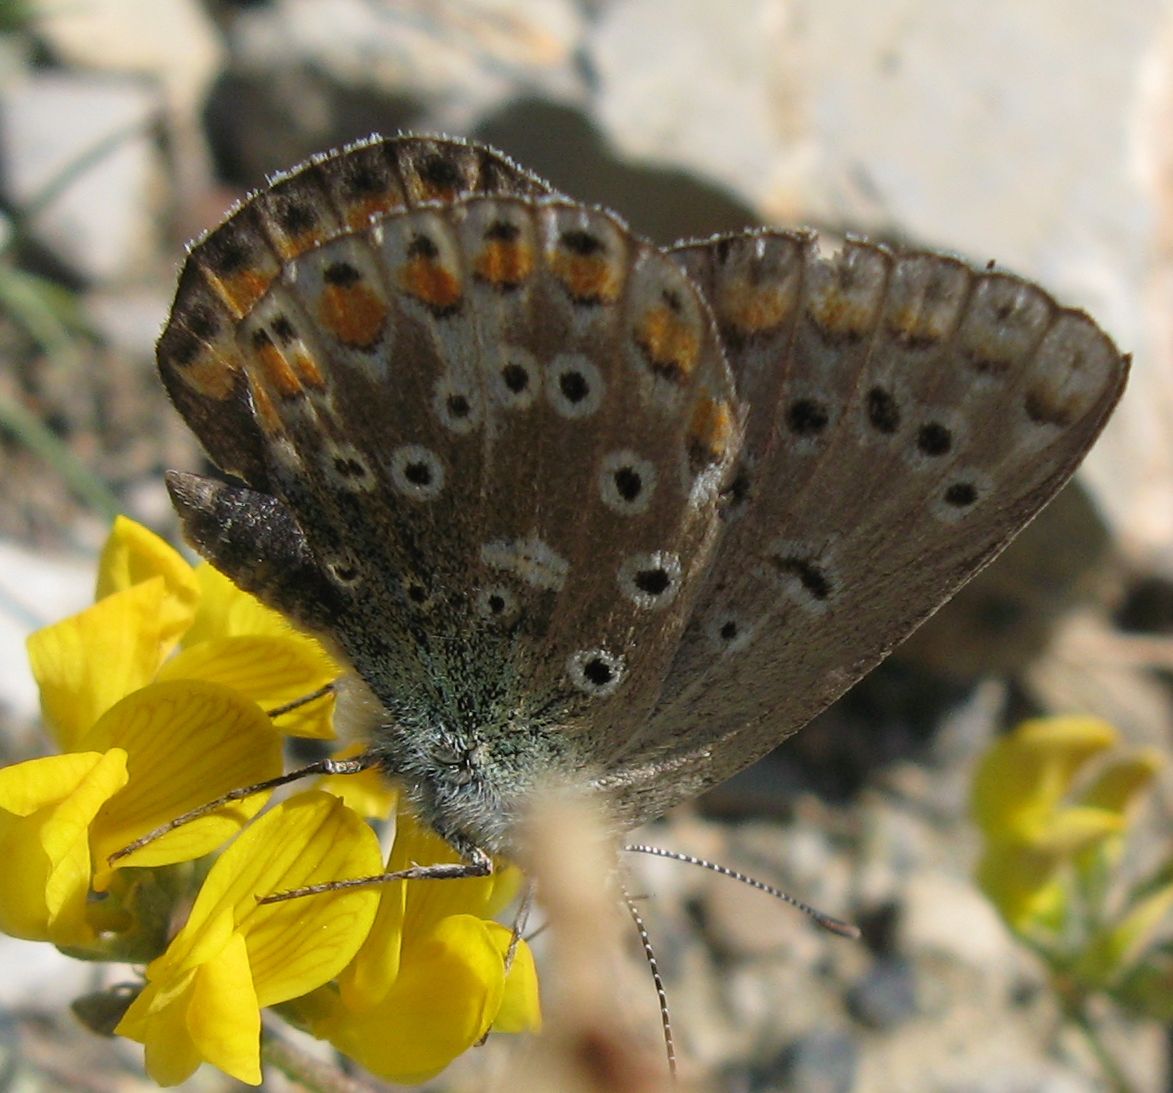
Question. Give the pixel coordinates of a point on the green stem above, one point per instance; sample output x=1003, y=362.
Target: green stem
x=1117, y=1079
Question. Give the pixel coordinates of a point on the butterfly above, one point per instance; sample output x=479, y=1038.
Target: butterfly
x=581, y=510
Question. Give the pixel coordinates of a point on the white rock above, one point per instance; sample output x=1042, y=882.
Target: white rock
x=1000, y=130
x=91, y=137
x=945, y=916
x=171, y=41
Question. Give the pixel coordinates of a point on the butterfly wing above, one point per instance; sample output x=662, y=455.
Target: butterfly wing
x=483, y=439
x=907, y=416
x=232, y=268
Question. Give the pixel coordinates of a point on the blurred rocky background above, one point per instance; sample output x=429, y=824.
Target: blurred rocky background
x=1039, y=135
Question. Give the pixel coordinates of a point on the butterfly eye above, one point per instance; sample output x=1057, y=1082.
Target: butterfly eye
x=343, y=569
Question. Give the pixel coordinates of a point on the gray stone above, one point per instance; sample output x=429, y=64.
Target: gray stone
x=82, y=144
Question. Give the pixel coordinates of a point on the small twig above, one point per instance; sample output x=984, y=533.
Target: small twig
x=310, y=1074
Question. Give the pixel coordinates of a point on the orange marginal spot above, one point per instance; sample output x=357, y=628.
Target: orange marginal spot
x=274, y=369
x=294, y=245
x=588, y=278
x=841, y=315
x=751, y=308
x=424, y=188
x=504, y=263
x=263, y=408
x=308, y=371
x=211, y=375
x=670, y=343
x=359, y=213
x=353, y=314
x=430, y=283
x=241, y=290
x=711, y=427
x=918, y=325
x=1047, y=406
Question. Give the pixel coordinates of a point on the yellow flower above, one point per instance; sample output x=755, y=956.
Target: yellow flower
x=150, y=601
x=46, y=808
x=1037, y=826
x=179, y=732
x=430, y=980
x=235, y=956
x=159, y=696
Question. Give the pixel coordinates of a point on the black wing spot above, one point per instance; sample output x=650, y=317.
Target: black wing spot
x=934, y=439
x=883, y=410
x=628, y=483
x=418, y=473
x=653, y=582
x=582, y=242
x=284, y=330
x=440, y=172
x=296, y=217
x=423, y=246
x=342, y=274
x=225, y=254
x=597, y=671
x=503, y=231
x=961, y=495
x=807, y=417
x=809, y=575
x=516, y=377
x=574, y=386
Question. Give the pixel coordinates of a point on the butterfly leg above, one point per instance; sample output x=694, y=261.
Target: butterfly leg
x=476, y=864
x=322, y=766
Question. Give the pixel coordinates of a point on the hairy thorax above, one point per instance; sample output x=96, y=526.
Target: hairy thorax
x=473, y=786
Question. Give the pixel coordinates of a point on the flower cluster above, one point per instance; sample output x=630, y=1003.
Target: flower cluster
x=157, y=697
x=1055, y=800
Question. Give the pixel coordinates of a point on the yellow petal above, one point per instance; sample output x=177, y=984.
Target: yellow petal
x=1024, y=886
x=87, y=662
x=271, y=671
x=224, y=1017
x=157, y=1018
x=1024, y=776
x=1070, y=830
x=296, y=945
x=409, y=909
x=449, y=989
x=427, y=904
x=133, y=554
x=187, y=743
x=1121, y=782
x=46, y=808
x=365, y=981
x=520, y=1005
x=225, y=611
